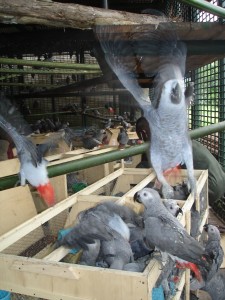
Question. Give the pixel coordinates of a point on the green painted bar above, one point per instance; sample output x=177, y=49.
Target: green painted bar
x=95, y=160
x=206, y=6
x=47, y=64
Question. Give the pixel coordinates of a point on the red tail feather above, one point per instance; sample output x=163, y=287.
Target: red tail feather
x=47, y=193
x=193, y=267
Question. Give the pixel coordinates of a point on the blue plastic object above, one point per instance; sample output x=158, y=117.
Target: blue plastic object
x=157, y=293
x=5, y=295
x=61, y=234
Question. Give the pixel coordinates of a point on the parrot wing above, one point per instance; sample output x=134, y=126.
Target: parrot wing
x=120, y=53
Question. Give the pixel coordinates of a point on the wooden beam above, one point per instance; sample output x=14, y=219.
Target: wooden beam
x=66, y=15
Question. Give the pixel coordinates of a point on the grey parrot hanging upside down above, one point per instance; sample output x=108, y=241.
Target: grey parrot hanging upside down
x=148, y=47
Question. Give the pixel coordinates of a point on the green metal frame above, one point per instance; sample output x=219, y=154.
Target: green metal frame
x=206, y=6
x=95, y=160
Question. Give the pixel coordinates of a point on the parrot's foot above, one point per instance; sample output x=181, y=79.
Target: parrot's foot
x=168, y=192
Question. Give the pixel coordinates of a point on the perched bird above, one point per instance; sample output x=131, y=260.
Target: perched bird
x=172, y=207
x=122, y=138
x=91, y=141
x=164, y=231
x=32, y=164
x=214, y=250
x=108, y=124
x=167, y=113
x=109, y=107
x=216, y=286
x=123, y=122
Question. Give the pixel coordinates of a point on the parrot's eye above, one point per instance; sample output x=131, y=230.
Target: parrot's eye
x=171, y=207
x=145, y=194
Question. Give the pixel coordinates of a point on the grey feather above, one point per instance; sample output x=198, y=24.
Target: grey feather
x=122, y=138
x=90, y=255
x=117, y=252
x=172, y=206
x=167, y=113
x=216, y=286
x=166, y=232
x=103, y=224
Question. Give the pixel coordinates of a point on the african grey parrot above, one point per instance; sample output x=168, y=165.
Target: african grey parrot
x=156, y=52
x=117, y=251
x=172, y=207
x=94, y=140
x=90, y=255
x=32, y=164
x=125, y=212
x=216, y=286
x=103, y=224
x=122, y=138
x=214, y=250
x=167, y=234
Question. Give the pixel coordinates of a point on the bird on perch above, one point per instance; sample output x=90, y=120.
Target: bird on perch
x=166, y=233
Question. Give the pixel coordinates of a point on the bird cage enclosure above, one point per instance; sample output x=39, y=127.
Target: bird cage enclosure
x=31, y=265
x=53, y=68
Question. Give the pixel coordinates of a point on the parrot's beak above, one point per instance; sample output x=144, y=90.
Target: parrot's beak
x=179, y=211
x=46, y=191
x=137, y=197
x=206, y=226
x=176, y=94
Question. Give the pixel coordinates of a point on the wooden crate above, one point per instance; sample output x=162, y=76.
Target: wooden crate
x=43, y=275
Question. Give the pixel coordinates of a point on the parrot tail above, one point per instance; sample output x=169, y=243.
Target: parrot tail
x=193, y=267
x=46, y=191
x=173, y=175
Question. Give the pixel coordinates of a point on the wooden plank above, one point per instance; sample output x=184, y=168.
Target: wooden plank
x=223, y=246
x=9, y=167
x=57, y=254
x=93, y=187
x=39, y=278
x=42, y=267
x=17, y=206
x=154, y=269
x=18, y=232
x=59, y=184
x=179, y=287
x=108, y=284
x=3, y=149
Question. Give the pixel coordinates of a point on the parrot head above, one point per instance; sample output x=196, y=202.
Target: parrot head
x=174, y=90
x=171, y=92
x=46, y=191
